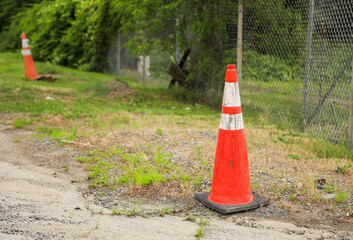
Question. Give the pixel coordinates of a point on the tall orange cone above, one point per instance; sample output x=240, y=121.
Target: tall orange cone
x=231, y=179
x=30, y=69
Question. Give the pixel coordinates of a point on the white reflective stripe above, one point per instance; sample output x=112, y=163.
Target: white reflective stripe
x=231, y=121
x=26, y=52
x=25, y=43
x=231, y=96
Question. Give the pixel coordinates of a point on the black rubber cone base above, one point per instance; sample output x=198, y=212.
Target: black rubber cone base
x=226, y=209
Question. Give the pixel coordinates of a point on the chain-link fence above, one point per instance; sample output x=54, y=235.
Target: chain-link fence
x=296, y=60
x=297, y=63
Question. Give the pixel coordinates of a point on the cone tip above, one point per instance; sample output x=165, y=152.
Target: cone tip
x=231, y=66
x=23, y=36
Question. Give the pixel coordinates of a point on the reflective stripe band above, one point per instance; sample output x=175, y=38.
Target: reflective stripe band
x=231, y=110
x=25, y=43
x=231, y=122
x=231, y=97
x=26, y=52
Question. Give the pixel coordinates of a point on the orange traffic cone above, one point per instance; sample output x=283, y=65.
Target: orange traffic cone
x=231, y=179
x=30, y=69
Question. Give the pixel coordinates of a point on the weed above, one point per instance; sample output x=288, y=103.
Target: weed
x=159, y=132
x=17, y=140
x=293, y=156
x=134, y=212
x=343, y=169
x=292, y=197
x=289, y=207
x=329, y=188
x=83, y=159
x=203, y=223
x=255, y=186
x=350, y=208
x=325, y=149
x=97, y=225
x=141, y=171
x=120, y=120
x=165, y=211
x=114, y=211
x=21, y=122
x=99, y=172
x=341, y=197
x=66, y=168
x=190, y=218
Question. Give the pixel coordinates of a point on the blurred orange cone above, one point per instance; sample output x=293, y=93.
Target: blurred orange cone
x=30, y=69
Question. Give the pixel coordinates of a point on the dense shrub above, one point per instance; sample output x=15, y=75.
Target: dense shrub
x=73, y=33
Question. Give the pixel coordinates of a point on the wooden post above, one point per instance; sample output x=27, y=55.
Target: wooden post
x=350, y=127
x=240, y=40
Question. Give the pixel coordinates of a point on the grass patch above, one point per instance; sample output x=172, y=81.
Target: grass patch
x=341, y=197
x=21, y=123
x=122, y=121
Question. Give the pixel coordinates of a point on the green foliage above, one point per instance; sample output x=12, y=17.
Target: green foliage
x=272, y=20
x=71, y=33
x=8, y=9
x=267, y=68
x=77, y=34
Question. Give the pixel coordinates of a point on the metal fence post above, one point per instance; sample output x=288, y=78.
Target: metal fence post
x=240, y=40
x=144, y=58
x=350, y=127
x=308, y=59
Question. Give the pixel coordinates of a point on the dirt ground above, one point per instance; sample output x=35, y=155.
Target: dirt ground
x=40, y=200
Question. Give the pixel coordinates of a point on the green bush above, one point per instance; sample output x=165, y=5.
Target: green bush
x=269, y=68
x=68, y=32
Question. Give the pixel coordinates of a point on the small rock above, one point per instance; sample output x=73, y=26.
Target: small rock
x=321, y=181
x=49, y=98
x=329, y=196
x=319, y=186
x=199, y=105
